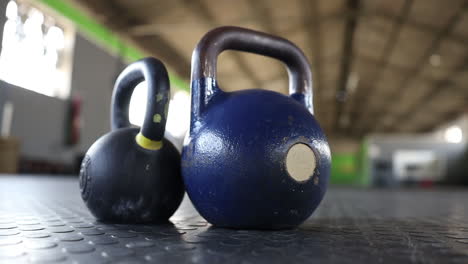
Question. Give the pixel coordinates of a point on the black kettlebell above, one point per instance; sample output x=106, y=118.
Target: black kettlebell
x=132, y=175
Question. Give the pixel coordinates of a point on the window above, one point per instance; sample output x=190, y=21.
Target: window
x=179, y=110
x=453, y=134
x=36, y=51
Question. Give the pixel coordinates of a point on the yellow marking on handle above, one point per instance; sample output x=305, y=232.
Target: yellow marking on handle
x=157, y=118
x=147, y=143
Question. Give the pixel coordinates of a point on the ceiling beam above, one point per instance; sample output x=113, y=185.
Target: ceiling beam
x=311, y=25
x=381, y=14
x=117, y=19
x=347, y=59
x=263, y=16
x=368, y=59
x=400, y=69
x=431, y=94
x=397, y=93
x=417, y=25
x=202, y=10
x=152, y=28
x=157, y=28
x=447, y=117
x=362, y=94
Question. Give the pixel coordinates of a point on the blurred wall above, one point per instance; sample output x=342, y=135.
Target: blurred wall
x=94, y=73
x=344, y=144
x=38, y=122
x=460, y=175
x=382, y=149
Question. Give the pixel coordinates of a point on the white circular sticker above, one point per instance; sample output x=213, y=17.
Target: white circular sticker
x=300, y=162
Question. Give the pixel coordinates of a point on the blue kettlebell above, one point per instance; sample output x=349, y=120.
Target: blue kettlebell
x=132, y=175
x=253, y=158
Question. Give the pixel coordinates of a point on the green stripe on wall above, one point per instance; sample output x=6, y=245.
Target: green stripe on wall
x=344, y=169
x=364, y=166
x=103, y=36
x=351, y=168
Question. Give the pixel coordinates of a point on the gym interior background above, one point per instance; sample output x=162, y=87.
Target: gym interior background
x=390, y=84
x=390, y=77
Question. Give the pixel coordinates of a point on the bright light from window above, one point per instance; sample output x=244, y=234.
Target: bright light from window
x=138, y=104
x=33, y=52
x=12, y=10
x=55, y=38
x=178, y=116
x=454, y=134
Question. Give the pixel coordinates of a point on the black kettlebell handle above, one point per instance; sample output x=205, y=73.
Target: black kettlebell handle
x=204, y=57
x=154, y=73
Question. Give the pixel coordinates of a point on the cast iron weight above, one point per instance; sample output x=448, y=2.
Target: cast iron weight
x=132, y=175
x=253, y=158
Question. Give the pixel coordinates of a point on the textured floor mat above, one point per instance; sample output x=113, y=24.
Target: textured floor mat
x=42, y=220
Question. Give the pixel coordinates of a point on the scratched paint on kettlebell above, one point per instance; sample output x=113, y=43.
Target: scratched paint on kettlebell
x=159, y=97
x=157, y=118
x=85, y=179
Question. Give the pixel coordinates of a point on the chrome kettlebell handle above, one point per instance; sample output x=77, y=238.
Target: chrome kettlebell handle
x=154, y=73
x=204, y=59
